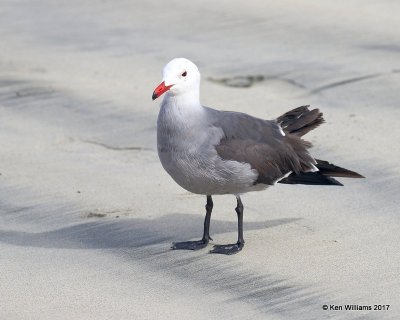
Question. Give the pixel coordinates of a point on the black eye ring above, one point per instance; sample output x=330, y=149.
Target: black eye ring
x=184, y=74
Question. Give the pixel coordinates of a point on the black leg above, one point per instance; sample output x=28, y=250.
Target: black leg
x=200, y=244
x=209, y=207
x=233, y=248
x=239, y=211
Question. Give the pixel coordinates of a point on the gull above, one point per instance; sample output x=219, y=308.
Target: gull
x=212, y=152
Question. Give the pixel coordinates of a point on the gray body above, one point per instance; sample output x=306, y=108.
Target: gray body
x=208, y=152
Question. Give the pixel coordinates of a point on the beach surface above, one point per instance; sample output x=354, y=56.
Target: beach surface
x=87, y=213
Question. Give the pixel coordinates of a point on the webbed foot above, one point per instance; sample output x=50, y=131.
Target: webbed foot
x=190, y=245
x=228, y=249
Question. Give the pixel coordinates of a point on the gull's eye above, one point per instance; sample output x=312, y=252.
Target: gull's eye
x=184, y=74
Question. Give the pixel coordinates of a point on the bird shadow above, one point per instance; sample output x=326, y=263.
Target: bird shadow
x=107, y=233
x=147, y=243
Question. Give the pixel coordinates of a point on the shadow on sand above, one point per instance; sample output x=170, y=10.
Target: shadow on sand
x=107, y=233
x=146, y=242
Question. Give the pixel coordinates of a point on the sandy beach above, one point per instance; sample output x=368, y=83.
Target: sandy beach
x=87, y=213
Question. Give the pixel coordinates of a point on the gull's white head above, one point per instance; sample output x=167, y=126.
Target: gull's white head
x=180, y=76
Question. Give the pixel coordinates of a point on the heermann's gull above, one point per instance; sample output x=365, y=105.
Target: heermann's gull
x=212, y=152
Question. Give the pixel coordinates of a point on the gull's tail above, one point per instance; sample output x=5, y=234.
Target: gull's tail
x=301, y=120
x=298, y=122
x=323, y=176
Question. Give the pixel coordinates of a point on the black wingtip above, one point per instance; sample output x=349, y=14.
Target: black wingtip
x=310, y=178
x=332, y=170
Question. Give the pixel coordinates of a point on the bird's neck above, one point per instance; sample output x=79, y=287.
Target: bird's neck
x=188, y=98
x=181, y=111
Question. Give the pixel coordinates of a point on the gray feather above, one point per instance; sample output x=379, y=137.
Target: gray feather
x=261, y=144
x=301, y=120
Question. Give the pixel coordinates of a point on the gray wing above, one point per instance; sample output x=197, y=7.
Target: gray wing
x=262, y=144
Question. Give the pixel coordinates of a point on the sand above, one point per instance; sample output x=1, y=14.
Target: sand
x=87, y=214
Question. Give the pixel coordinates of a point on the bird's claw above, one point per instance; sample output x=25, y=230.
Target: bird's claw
x=228, y=249
x=189, y=245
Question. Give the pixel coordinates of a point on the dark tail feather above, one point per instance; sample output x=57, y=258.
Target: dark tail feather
x=329, y=169
x=321, y=177
x=301, y=120
x=298, y=122
x=310, y=178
